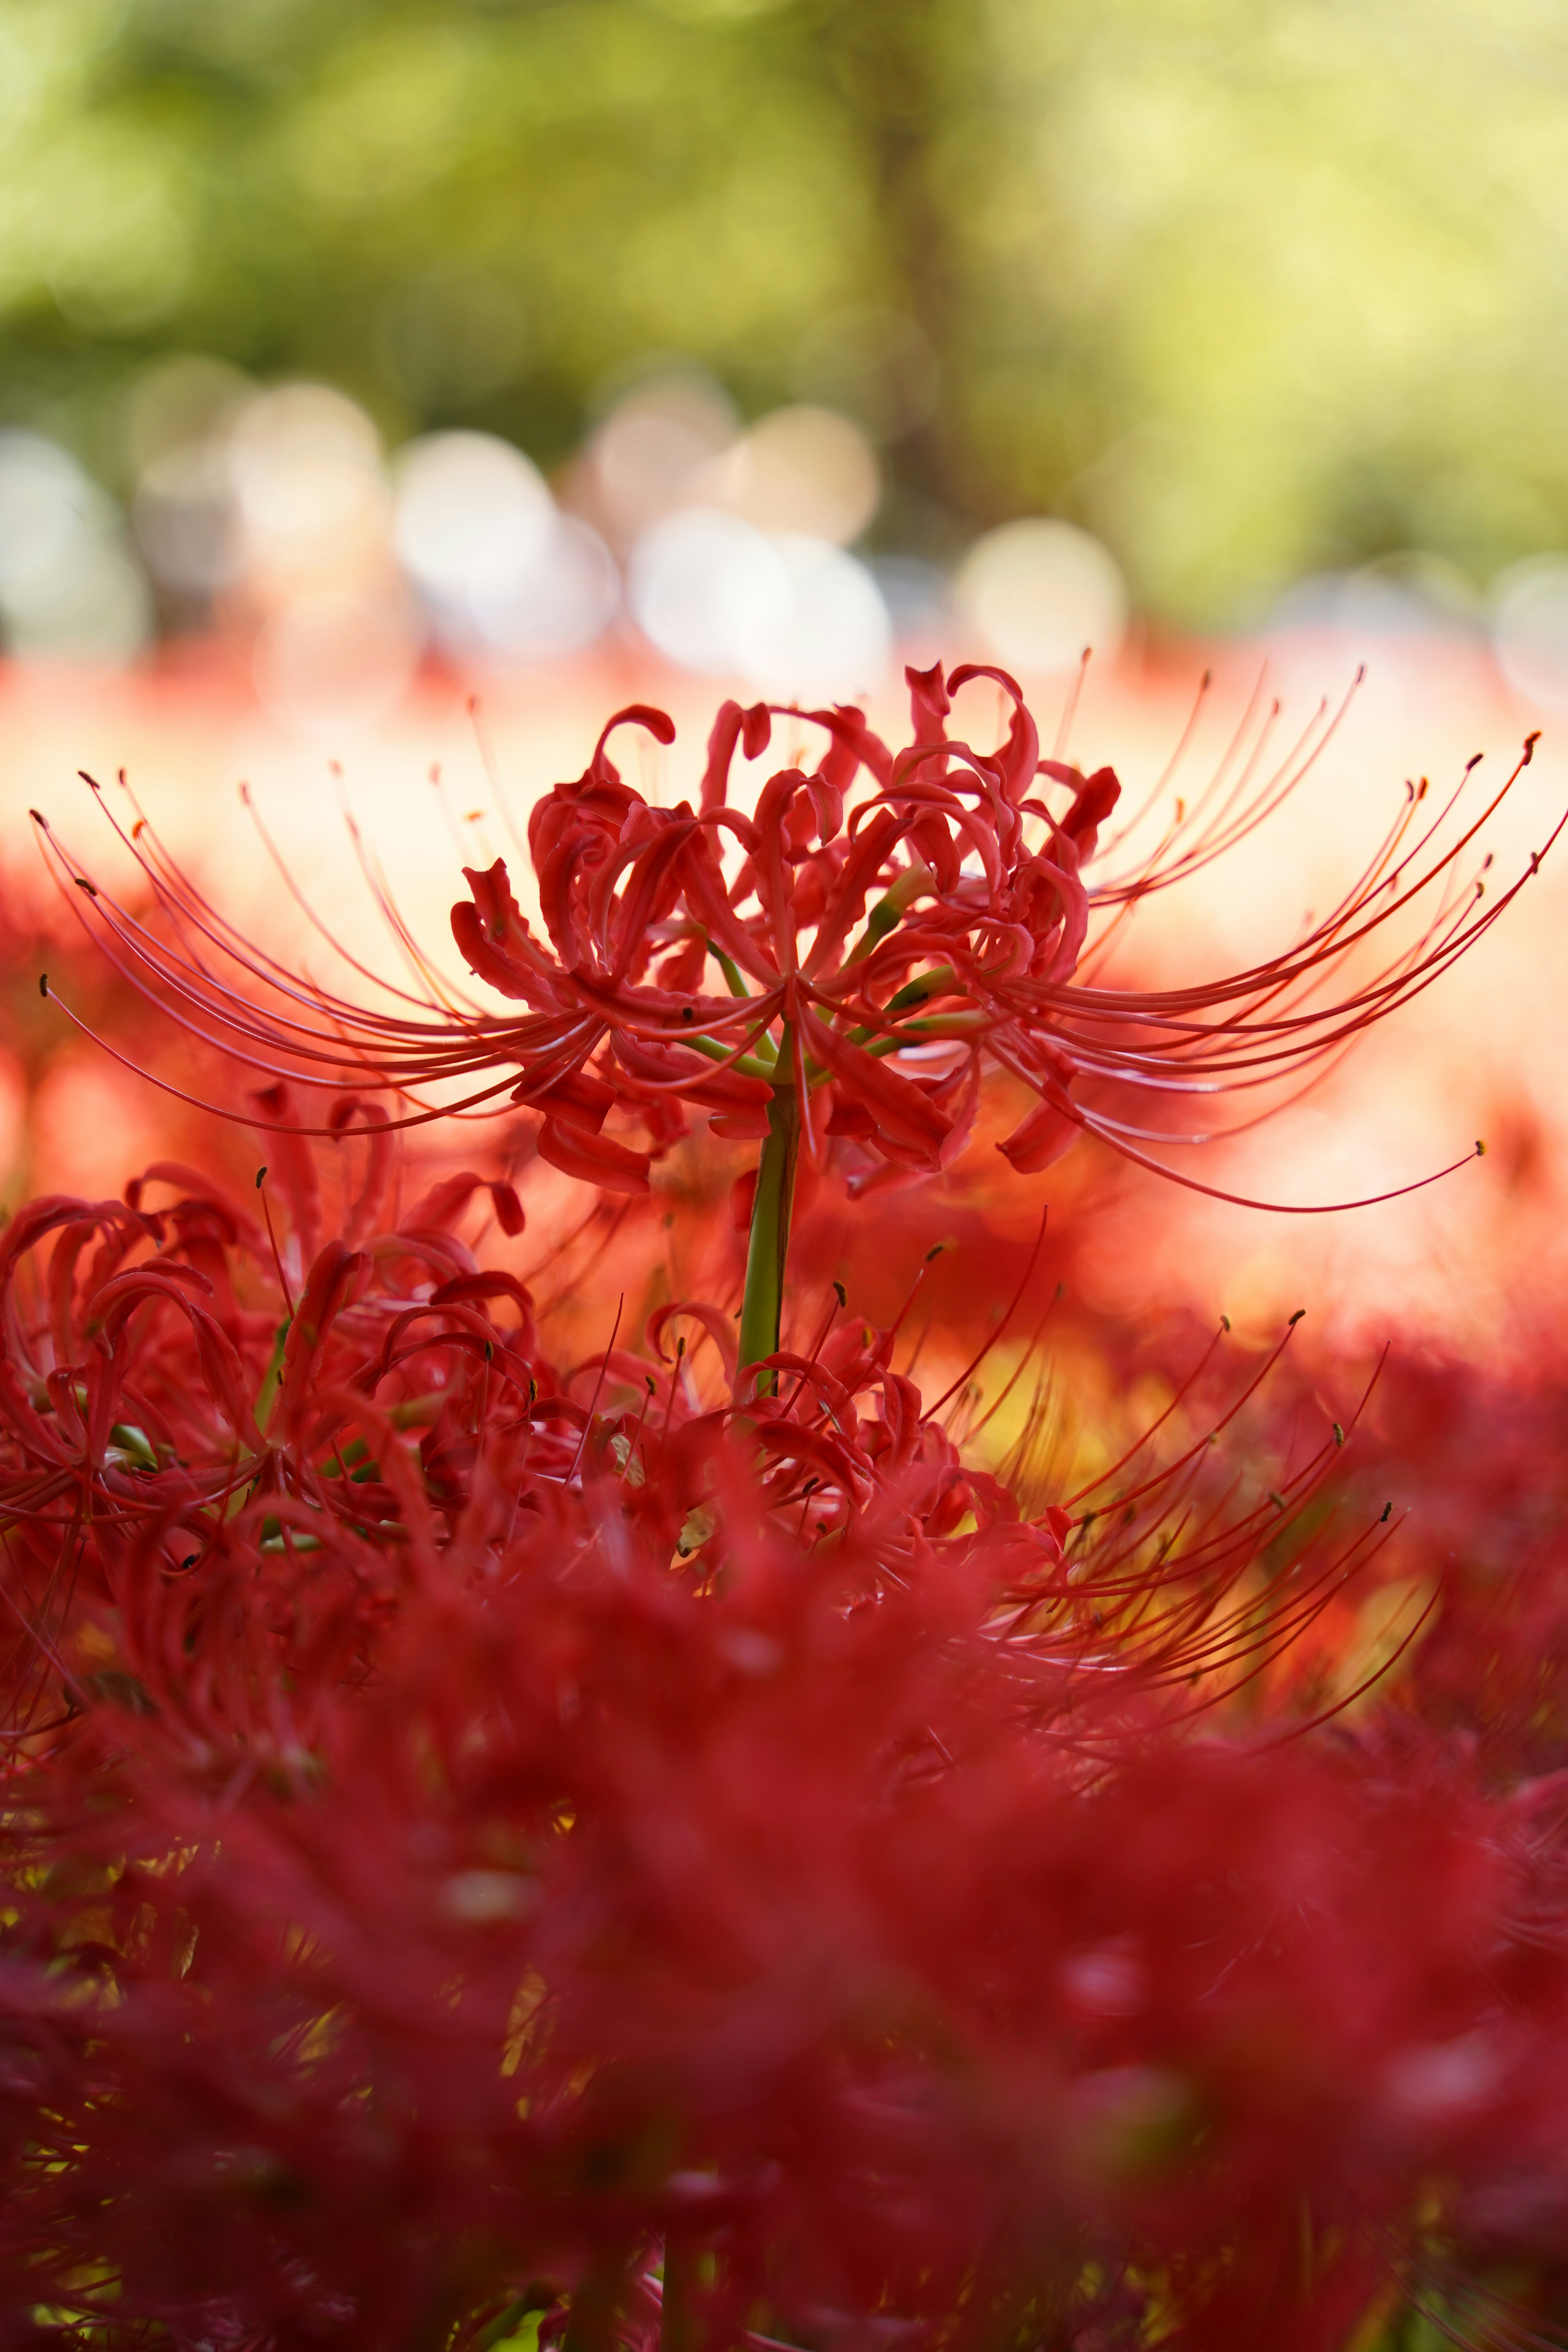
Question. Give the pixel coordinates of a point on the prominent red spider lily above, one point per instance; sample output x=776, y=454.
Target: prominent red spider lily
x=667, y=1843
x=181, y=1388
x=888, y=928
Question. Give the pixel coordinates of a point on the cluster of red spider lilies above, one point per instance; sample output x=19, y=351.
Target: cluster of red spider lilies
x=711, y=1843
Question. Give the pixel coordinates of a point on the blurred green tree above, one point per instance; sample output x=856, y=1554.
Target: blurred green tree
x=1250, y=287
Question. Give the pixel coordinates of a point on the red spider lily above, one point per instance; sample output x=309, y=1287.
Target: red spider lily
x=698, y=1872
x=667, y=1843
x=172, y=1392
x=887, y=927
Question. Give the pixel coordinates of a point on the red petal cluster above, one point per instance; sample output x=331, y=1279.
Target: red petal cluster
x=877, y=933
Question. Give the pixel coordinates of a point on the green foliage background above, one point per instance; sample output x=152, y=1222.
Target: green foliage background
x=1250, y=287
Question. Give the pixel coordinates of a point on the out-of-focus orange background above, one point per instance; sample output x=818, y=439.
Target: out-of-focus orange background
x=360, y=360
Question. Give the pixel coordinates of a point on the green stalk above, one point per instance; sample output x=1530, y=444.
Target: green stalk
x=768, y=1249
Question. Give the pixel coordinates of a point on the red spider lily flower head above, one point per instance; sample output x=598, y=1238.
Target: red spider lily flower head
x=882, y=930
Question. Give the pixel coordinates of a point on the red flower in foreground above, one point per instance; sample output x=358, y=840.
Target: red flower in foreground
x=165, y=1398
x=482, y=1839
x=881, y=930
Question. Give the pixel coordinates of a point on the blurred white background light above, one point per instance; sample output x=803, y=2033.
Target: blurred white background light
x=312, y=496
x=915, y=593
x=274, y=513
x=801, y=469
x=792, y=615
x=473, y=516
x=183, y=513
x=1410, y=594
x=650, y=456
x=67, y=586
x=706, y=587
x=1530, y=628
x=45, y=503
x=185, y=522
x=499, y=569
x=1037, y=593
x=833, y=638
x=338, y=633
x=562, y=604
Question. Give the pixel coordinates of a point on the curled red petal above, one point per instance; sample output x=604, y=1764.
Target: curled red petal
x=740, y=1126
x=901, y=1109
x=594, y=1159
x=928, y=702
x=493, y=1284
x=584, y=1099
x=335, y=1280
x=659, y=723
x=719, y=1328
x=508, y=1209
x=751, y=728
x=1041, y=1140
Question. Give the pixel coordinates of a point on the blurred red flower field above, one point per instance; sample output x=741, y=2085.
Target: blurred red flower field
x=979, y=1761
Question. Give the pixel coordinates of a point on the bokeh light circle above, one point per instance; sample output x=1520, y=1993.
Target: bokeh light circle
x=707, y=588
x=833, y=639
x=68, y=584
x=1037, y=593
x=804, y=469
x=791, y=614
x=184, y=519
x=565, y=600
x=305, y=462
x=472, y=515
x=652, y=454
x=1530, y=628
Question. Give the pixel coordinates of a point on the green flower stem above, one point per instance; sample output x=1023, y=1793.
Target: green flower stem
x=769, y=1246
x=941, y=1024
x=751, y=1065
x=889, y=910
x=942, y=981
